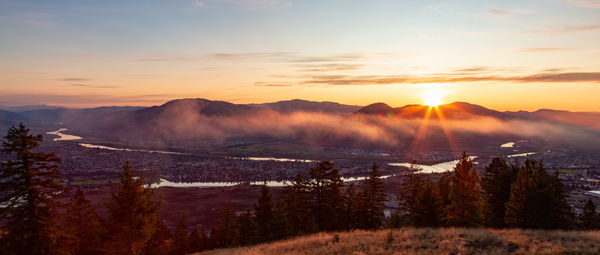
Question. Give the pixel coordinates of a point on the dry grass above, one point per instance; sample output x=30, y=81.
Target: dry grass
x=431, y=241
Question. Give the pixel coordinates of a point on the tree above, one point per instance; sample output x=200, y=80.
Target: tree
x=28, y=193
x=159, y=242
x=499, y=176
x=411, y=180
x=326, y=198
x=132, y=214
x=82, y=225
x=248, y=233
x=180, y=238
x=590, y=219
x=465, y=195
x=353, y=215
x=426, y=211
x=198, y=240
x=225, y=233
x=373, y=199
x=296, y=206
x=264, y=212
x=537, y=200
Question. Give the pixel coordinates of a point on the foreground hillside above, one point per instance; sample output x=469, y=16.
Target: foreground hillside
x=431, y=241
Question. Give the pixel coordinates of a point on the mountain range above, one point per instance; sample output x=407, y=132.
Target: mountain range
x=309, y=122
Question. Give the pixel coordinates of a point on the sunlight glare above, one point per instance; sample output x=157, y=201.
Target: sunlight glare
x=433, y=98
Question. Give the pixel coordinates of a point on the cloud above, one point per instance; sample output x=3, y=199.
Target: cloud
x=214, y=56
x=329, y=67
x=273, y=84
x=197, y=4
x=74, y=79
x=498, y=11
x=542, y=49
x=94, y=86
x=585, y=3
x=567, y=29
x=255, y=5
x=451, y=78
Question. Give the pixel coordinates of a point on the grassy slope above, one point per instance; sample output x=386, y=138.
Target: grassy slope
x=432, y=241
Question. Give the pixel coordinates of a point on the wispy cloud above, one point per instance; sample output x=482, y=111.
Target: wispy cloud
x=94, y=86
x=273, y=84
x=544, y=49
x=585, y=3
x=567, y=29
x=498, y=11
x=467, y=75
x=74, y=79
x=257, y=4
x=197, y=3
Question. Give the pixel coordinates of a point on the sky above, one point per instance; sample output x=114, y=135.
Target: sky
x=504, y=55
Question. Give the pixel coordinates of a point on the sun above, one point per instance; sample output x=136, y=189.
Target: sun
x=433, y=98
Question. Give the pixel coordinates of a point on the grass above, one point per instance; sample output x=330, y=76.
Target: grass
x=431, y=241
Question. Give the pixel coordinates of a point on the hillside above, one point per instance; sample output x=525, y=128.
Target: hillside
x=431, y=241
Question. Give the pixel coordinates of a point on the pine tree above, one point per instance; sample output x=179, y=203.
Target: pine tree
x=373, y=196
x=499, y=176
x=197, y=241
x=427, y=208
x=264, y=212
x=411, y=180
x=465, y=195
x=537, y=200
x=590, y=219
x=132, y=214
x=159, y=242
x=28, y=193
x=225, y=233
x=180, y=238
x=82, y=226
x=248, y=233
x=353, y=213
x=296, y=206
x=326, y=198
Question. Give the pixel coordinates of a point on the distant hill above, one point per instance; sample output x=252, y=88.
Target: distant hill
x=430, y=241
x=296, y=105
x=21, y=108
x=456, y=110
x=8, y=119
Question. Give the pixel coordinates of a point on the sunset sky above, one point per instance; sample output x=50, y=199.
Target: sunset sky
x=504, y=55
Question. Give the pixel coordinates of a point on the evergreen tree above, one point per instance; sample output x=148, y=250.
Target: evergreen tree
x=281, y=227
x=465, y=195
x=28, y=193
x=537, y=200
x=197, y=241
x=82, y=225
x=132, y=214
x=265, y=215
x=499, y=176
x=180, y=238
x=373, y=199
x=443, y=185
x=411, y=180
x=590, y=219
x=427, y=208
x=248, y=233
x=159, y=242
x=225, y=233
x=326, y=198
x=296, y=205
x=353, y=213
